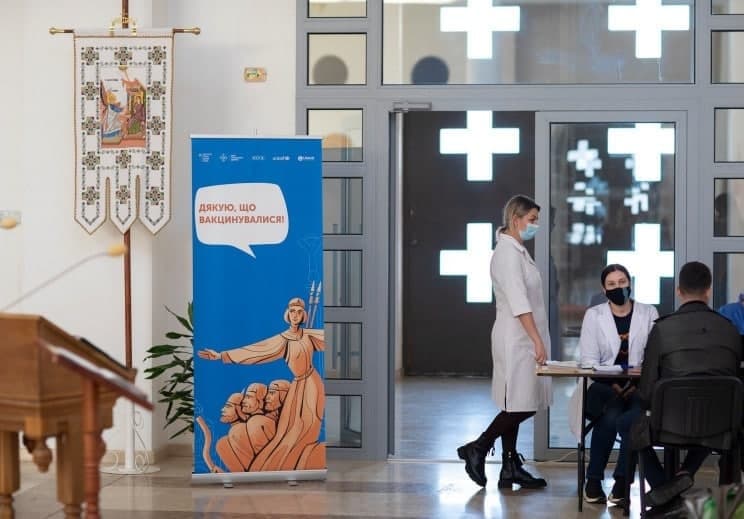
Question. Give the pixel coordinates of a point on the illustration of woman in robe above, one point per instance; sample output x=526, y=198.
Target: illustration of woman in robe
x=112, y=115
x=295, y=445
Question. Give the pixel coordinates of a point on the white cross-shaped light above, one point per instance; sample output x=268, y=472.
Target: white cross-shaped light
x=648, y=18
x=646, y=143
x=479, y=141
x=480, y=18
x=584, y=204
x=647, y=263
x=585, y=158
x=584, y=234
x=637, y=201
x=474, y=262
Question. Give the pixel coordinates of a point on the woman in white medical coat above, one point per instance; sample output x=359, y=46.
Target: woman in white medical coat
x=613, y=333
x=519, y=340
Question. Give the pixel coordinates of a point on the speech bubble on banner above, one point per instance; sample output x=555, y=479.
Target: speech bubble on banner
x=241, y=215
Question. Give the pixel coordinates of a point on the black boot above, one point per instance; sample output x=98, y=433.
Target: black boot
x=512, y=472
x=474, y=455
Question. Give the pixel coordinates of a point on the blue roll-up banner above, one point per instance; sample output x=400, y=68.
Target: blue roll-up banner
x=259, y=398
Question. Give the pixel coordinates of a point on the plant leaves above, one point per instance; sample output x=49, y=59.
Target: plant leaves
x=176, y=335
x=186, y=323
x=178, y=389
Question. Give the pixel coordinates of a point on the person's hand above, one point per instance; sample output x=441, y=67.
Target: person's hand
x=617, y=389
x=540, y=355
x=208, y=354
x=629, y=392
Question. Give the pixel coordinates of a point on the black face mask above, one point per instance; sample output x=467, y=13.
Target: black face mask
x=618, y=295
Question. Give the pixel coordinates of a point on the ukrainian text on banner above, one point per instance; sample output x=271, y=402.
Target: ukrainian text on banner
x=123, y=128
x=258, y=313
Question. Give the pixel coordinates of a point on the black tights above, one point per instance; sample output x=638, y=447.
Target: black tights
x=506, y=425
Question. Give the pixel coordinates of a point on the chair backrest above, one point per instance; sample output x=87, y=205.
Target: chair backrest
x=704, y=411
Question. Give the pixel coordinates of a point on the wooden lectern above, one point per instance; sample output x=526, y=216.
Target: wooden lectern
x=54, y=385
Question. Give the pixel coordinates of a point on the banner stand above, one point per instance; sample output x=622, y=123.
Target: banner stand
x=258, y=477
x=259, y=338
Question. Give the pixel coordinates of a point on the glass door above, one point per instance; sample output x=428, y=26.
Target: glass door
x=614, y=184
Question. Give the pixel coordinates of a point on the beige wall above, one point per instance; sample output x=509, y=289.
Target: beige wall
x=37, y=170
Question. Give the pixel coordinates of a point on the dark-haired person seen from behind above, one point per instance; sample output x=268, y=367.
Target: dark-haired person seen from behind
x=613, y=333
x=519, y=341
x=693, y=341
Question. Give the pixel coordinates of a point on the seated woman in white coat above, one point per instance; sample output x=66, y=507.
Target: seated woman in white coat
x=613, y=333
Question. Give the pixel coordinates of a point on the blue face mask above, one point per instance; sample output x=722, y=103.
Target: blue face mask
x=529, y=232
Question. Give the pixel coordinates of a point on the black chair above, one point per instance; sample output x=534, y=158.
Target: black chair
x=704, y=411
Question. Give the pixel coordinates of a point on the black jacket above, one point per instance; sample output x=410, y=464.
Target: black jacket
x=694, y=340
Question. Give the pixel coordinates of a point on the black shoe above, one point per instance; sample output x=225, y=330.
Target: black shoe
x=617, y=494
x=666, y=492
x=674, y=509
x=593, y=492
x=474, y=456
x=512, y=472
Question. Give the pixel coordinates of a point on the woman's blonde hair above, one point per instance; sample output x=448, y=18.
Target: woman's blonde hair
x=518, y=205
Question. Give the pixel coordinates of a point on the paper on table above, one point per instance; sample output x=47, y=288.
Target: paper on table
x=562, y=363
x=615, y=368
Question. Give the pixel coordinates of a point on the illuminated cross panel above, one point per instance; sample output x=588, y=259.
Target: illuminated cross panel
x=584, y=204
x=474, y=263
x=648, y=18
x=646, y=142
x=646, y=263
x=480, y=19
x=479, y=141
x=638, y=200
x=582, y=234
x=586, y=158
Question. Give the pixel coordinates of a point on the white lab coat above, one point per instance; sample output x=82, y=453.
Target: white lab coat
x=599, y=341
x=518, y=290
x=599, y=344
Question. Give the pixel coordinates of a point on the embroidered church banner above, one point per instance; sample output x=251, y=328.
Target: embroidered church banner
x=123, y=131
x=259, y=395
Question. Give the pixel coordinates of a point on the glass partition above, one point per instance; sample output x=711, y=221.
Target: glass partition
x=336, y=59
x=729, y=135
x=342, y=278
x=612, y=201
x=336, y=8
x=343, y=354
x=341, y=130
x=342, y=206
x=522, y=42
x=728, y=207
x=728, y=277
x=343, y=421
x=727, y=49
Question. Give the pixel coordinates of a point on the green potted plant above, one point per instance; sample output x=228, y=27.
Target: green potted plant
x=178, y=389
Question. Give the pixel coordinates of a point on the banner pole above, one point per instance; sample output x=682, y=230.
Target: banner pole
x=130, y=430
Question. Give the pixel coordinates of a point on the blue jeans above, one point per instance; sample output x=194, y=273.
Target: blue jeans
x=615, y=416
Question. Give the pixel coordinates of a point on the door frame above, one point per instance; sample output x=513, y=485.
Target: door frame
x=682, y=227
x=543, y=119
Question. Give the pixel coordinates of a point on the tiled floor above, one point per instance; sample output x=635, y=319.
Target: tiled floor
x=423, y=480
x=353, y=489
x=436, y=415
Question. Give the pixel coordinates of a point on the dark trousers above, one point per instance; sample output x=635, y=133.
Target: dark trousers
x=654, y=472
x=614, y=415
x=506, y=426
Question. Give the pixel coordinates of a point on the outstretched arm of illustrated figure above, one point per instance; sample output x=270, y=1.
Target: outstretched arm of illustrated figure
x=260, y=352
x=318, y=343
